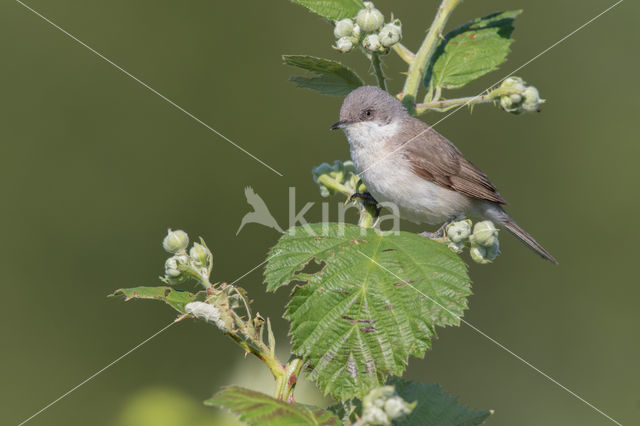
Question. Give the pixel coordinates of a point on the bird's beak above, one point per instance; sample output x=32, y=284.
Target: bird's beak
x=340, y=125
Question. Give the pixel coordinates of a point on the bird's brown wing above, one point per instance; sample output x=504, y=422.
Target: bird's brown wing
x=435, y=158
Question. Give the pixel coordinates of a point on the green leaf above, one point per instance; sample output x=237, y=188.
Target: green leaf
x=435, y=406
x=332, y=9
x=357, y=320
x=329, y=77
x=472, y=50
x=256, y=408
x=177, y=299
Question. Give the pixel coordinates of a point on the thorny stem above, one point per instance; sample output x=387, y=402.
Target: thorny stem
x=249, y=336
x=422, y=59
x=276, y=367
x=377, y=70
x=446, y=104
x=246, y=305
x=246, y=335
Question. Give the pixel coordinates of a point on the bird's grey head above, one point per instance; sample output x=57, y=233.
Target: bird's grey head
x=369, y=104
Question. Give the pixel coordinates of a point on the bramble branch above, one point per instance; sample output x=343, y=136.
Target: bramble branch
x=419, y=65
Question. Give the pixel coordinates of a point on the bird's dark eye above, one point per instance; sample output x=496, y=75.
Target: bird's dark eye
x=367, y=114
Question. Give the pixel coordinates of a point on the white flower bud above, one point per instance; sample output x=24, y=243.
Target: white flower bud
x=375, y=416
x=372, y=43
x=199, y=254
x=515, y=83
x=456, y=247
x=507, y=104
x=493, y=250
x=525, y=99
x=206, y=312
x=369, y=19
x=343, y=28
x=396, y=407
x=356, y=32
x=479, y=254
x=532, y=99
x=344, y=44
x=174, y=269
x=382, y=405
x=390, y=34
x=459, y=231
x=484, y=233
x=171, y=269
x=175, y=241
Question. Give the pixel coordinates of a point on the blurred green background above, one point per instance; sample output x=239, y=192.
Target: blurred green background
x=95, y=168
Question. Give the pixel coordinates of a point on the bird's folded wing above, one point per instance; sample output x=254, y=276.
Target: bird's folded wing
x=435, y=158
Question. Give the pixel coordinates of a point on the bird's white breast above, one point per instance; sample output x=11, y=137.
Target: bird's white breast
x=384, y=169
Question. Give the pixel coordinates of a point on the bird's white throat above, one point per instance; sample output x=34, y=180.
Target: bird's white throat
x=377, y=154
x=371, y=146
x=371, y=134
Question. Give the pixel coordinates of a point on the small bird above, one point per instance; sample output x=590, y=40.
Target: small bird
x=404, y=161
x=260, y=213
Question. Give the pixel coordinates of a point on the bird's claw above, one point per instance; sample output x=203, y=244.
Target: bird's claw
x=364, y=198
x=440, y=233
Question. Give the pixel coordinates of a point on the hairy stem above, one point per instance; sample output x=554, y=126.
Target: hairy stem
x=422, y=59
x=248, y=334
x=376, y=63
x=405, y=54
x=276, y=367
x=443, y=105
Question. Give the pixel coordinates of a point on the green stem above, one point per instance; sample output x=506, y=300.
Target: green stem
x=334, y=185
x=368, y=215
x=196, y=276
x=422, y=59
x=287, y=382
x=246, y=334
x=405, y=54
x=470, y=100
x=377, y=70
x=276, y=367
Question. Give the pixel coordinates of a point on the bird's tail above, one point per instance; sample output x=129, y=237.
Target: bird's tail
x=523, y=236
x=502, y=218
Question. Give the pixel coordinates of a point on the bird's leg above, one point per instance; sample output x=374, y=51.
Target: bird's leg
x=440, y=232
x=369, y=208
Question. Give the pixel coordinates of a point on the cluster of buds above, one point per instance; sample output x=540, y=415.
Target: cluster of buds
x=341, y=176
x=481, y=238
x=382, y=406
x=522, y=98
x=182, y=265
x=368, y=29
